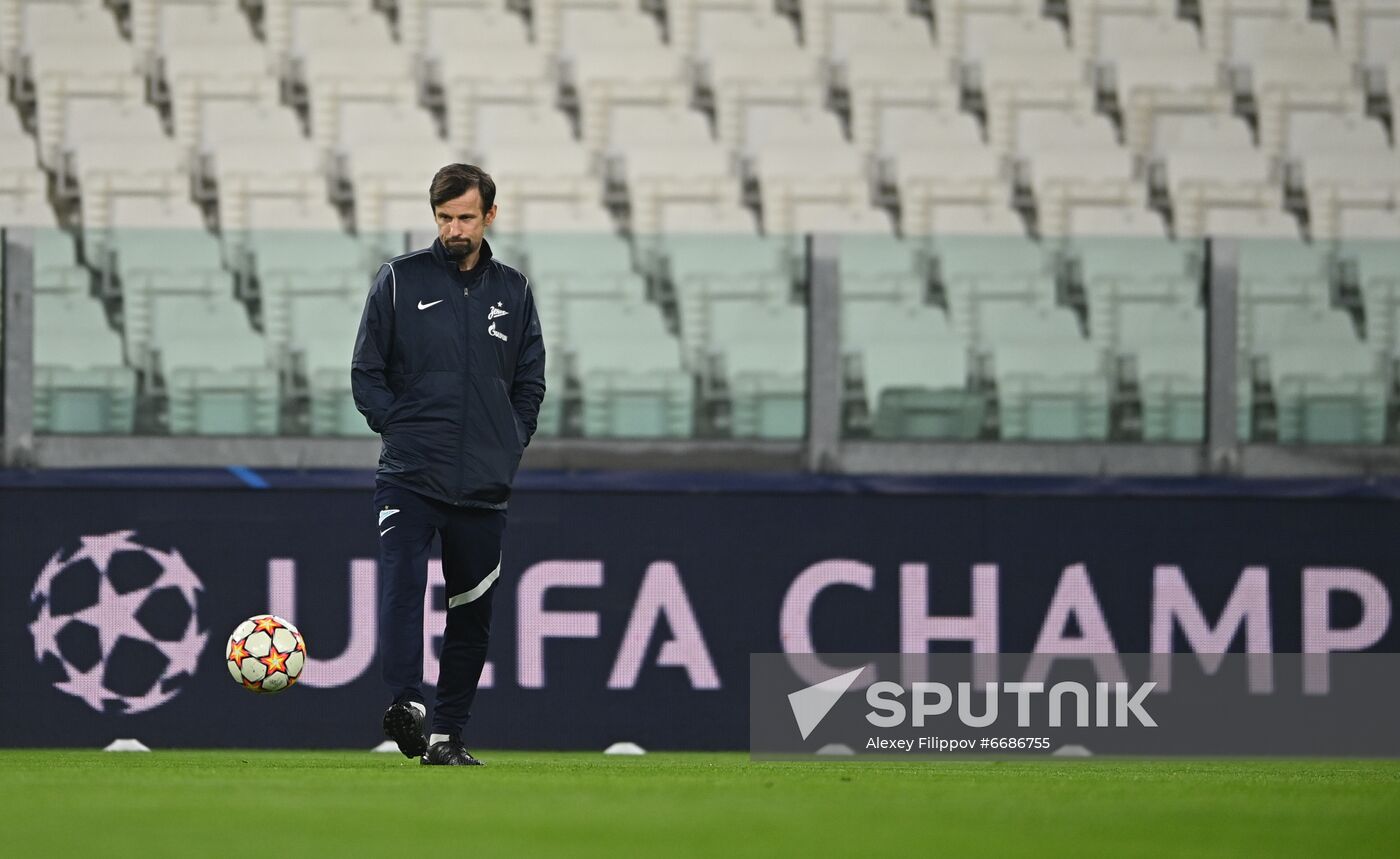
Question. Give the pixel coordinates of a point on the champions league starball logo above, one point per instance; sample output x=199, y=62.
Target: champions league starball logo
x=117, y=622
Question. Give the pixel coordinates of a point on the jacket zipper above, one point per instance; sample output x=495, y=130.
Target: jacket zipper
x=466, y=392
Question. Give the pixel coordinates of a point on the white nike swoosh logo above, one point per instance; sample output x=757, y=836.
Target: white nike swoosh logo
x=422, y=306
x=387, y=530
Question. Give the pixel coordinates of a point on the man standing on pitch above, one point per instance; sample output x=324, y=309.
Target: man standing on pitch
x=449, y=370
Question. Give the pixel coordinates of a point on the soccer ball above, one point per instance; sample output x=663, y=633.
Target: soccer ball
x=265, y=654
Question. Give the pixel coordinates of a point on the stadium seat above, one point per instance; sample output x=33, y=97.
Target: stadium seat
x=1325, y=380
x=561, y=175
x=1368, y=31
x=968, y=270
x=81, y=384
x=1149, y=269
x=219, y=97
x=1226, y=193
x=1017, y=84
x=1373, y=266
x=564, y=27
x=1300, y=72
x=1081, y=178
x=272, y=185
x=362, y=103
x=1051, y=383
x=391, y=181
x=322, y=336
x=967, y=27
x=581, y=264
x=298, y=29
x=603, y=80
x=1166, y=352
x=759, y=350
x=785, y=184
x=23, y=186
x=1151, y=86
x=73, y=58
x=882, y=269
x=215, y=367
x=159, y=26
x=155, y=266
x=841, y=29
x=1109, y=30
x=1145, y=313
x=518, y=82
x=915, y=130
x=56, y=267
x=434, y=30
x=1292, y=272
x=628, y=368
x=957, y=190
x=913, y=370
x=1327, y=384
x=890, y=91
x=667, y=163
x=1050, y=379
x=699, y=27
x=1234, y=29
x=287, y=265
x=1350, y=175
x=688, y=189
x=750, y=270
x=751, y=92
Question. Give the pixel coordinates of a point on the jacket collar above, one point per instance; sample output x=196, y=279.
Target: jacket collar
x=441, y=255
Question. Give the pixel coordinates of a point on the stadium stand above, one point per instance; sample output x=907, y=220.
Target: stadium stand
x=1021, y=189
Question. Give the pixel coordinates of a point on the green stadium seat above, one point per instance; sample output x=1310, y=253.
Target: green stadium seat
x=628, y=368
x=1051, y=382
x=914, y=368
x=290, y=263
x=56, y=267
x=1166, y=343
x=80, y=382
x=1328, y=385
x=761, y=350
x=882, y=267
x=215, y=368
x=322, y=330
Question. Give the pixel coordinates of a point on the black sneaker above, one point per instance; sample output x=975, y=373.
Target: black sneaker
x=403, y=723
x=450, y=753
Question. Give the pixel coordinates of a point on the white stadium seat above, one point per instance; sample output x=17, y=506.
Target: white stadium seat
x=1233, y=29
x=1150, y=87
x=1368, y=31
x=878, y=84
x=23, y=186
x=1298, y=70
x=1015, y=83
x=965, y=27
x=1107, y=30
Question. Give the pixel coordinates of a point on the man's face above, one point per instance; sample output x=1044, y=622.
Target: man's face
x=461, y=223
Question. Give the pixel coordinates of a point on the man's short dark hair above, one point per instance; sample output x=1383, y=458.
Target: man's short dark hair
x=454, y=180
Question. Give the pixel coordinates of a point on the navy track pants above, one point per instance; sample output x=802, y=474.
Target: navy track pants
x=471, y=564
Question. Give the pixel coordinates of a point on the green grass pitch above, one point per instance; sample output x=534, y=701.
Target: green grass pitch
x=299, y=805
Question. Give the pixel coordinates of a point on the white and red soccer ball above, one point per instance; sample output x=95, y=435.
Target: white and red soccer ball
x=265, y=654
